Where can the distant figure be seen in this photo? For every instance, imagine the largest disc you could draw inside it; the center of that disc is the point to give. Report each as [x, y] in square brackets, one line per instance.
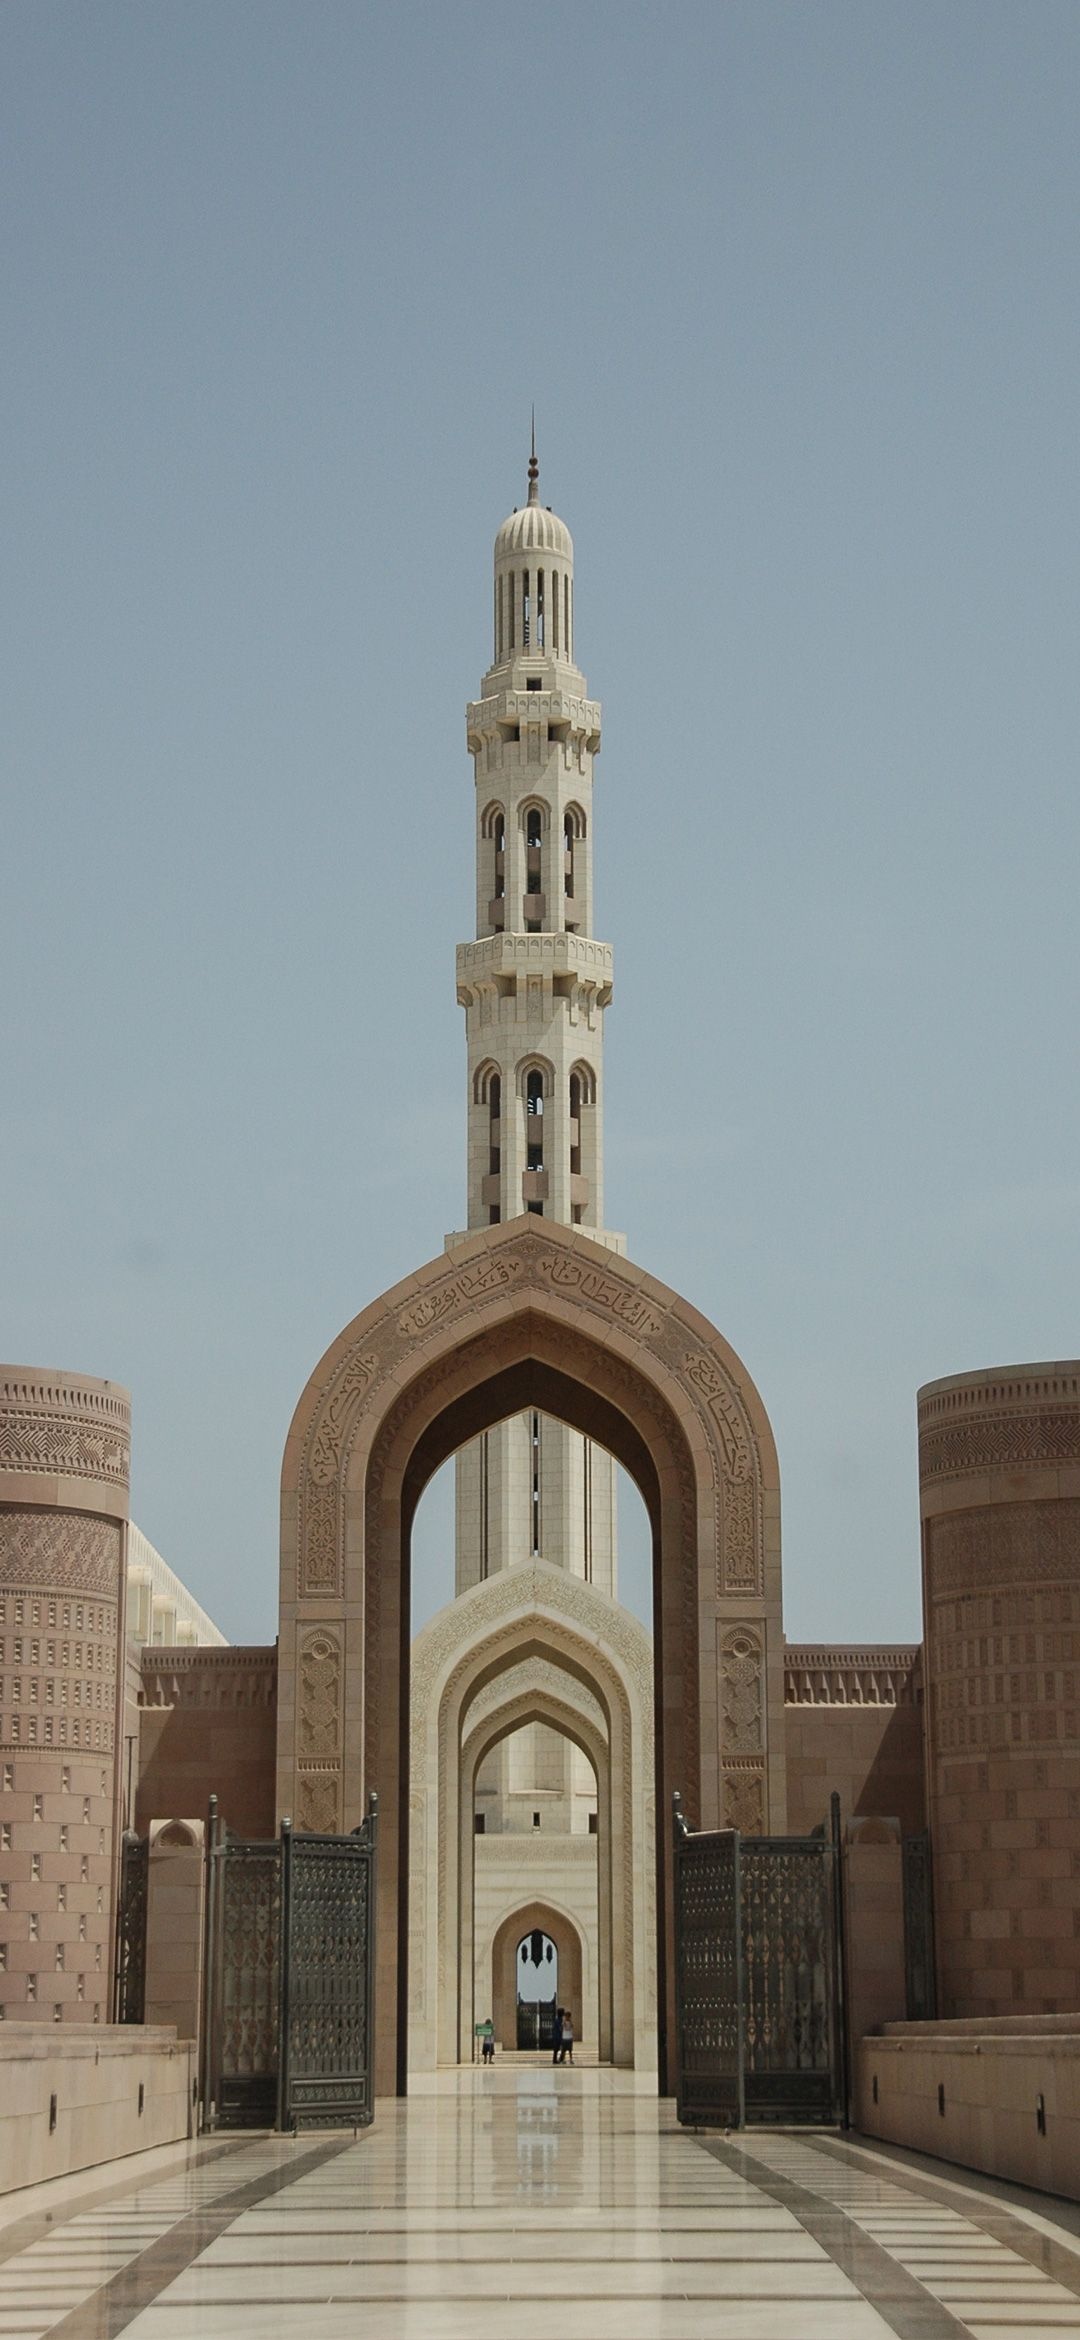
[487, 2045]
[557, 2037]
[566, 2037]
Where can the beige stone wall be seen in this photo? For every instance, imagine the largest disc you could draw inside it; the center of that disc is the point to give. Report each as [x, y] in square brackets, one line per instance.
[999, 1474]
[972, 2093]
[117, 2090]
[854, 1725]
[175, 1910]
[64, 1468]
[208, 1723]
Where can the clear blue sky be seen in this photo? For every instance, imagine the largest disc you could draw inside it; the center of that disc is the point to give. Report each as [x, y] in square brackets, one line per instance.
[794, 289]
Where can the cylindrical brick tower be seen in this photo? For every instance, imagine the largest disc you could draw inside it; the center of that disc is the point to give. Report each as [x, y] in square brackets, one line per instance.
[999, 1481]
[64, 1472]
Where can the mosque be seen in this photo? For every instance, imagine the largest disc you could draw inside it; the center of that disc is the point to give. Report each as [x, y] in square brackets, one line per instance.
[527, 1742]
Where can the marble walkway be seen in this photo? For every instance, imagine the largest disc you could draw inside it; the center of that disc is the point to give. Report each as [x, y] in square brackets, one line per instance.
[530, 2204]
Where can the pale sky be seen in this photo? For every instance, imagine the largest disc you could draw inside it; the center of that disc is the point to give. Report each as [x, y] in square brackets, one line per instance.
[795, 291]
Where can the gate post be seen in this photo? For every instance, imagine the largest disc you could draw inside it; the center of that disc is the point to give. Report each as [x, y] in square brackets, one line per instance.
[210, 1942]
[371, 1825]
[842, 2061]
[710, 2031]
[284, 1973]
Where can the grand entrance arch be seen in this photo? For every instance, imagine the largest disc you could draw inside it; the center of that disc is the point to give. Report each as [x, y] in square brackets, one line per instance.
[526, 1314]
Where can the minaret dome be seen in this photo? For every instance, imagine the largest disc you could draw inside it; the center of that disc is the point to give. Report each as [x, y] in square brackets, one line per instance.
[534, 583]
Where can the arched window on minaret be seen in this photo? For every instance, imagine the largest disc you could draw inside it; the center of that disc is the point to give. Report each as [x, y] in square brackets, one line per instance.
[535, 1079]
[510, 607]
[582, 1102]
[534, 1121]
[526, 610]
[540, 609]
[573, 868]
[485, 1137]
[494, 1140]
[492, 888]
[568, 646]
[533, 909]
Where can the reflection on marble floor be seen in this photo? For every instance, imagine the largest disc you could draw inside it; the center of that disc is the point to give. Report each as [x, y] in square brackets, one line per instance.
[532, 2204]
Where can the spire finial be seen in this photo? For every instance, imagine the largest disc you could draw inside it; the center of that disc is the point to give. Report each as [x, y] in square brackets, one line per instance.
[534, 467]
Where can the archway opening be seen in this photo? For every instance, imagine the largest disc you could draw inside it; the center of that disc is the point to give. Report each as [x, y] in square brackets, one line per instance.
[524, 1316]
[536, 1794]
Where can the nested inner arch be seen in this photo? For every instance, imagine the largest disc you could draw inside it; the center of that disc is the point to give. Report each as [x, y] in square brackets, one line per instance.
[655, 1454]
[591, 1734]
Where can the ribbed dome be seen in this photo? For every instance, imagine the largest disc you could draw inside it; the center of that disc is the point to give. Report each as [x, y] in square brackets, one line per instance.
[534, 529]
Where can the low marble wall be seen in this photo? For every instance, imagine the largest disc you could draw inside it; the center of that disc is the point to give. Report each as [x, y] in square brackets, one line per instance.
[1001, 2095]
[118, 2089]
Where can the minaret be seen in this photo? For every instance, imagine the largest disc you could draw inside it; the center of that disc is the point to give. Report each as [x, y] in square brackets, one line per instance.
[534, 986]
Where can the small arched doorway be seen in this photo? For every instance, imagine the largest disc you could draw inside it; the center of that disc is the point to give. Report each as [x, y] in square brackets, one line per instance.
[570, 1978]
[536, 1990]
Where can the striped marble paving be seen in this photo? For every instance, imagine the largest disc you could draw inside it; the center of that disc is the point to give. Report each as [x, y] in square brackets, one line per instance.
[534, 2204]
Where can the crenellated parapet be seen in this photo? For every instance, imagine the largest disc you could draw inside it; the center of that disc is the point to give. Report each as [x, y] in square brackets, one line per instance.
[819, 1675]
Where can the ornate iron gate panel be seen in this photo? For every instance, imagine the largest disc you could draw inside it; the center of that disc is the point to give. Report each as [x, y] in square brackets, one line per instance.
[131, 1929]
[327, 1975]
[759, 1978]
[245, 1983]
[287, 2018]
[708, 1977]
[789, 1980]
[920, 1978]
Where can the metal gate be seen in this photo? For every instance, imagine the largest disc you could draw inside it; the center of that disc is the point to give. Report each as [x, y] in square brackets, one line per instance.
[130, 1992]
[759, 1977]
[287, 2021]
[328, 1972]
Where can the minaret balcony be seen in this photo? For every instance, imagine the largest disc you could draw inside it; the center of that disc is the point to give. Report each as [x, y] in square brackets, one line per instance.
[534, 1186]
[506, 711]
[496, 962]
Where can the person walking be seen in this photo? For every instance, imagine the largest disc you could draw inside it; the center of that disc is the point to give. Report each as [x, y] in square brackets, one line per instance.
[487, 2046]
[556, 2037]
[566, 2043]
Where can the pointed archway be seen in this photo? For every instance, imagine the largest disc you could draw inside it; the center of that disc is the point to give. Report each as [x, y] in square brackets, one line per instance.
[526, 1314]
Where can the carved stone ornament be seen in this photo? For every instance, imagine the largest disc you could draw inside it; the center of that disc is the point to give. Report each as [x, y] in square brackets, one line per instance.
[318, 1803]
[1024, 1440]
[320, 1694]
[65, 1551]
[65, 1427]
[744, 1802]
[742, 1692]
[1005, 1543]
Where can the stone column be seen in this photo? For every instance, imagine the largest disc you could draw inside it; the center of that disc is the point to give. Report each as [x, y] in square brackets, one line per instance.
[64, 1471]
[999, 1478]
